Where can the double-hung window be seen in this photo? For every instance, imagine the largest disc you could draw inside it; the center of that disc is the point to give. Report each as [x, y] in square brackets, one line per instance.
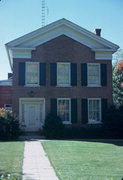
[94, 110]
[32, 73]
[64, 110]
[63, 74]
[93, 74]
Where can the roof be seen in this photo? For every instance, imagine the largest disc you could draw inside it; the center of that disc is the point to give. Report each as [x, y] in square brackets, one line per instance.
[22, 46]
[7, 82]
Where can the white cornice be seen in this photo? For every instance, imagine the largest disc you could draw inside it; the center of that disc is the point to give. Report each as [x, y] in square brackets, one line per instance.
[105, 50]
[22, 48]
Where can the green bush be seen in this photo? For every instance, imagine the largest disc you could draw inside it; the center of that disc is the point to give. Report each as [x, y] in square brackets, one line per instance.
[53, 127]
[113, 122]
[84, 132]
[9, 125]
[114, 117]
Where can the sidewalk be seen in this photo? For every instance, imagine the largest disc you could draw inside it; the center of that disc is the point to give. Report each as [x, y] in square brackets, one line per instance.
[36, 165]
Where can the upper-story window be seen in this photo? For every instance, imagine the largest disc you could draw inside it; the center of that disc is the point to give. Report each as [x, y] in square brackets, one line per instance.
[32, 73]
[93, 74]
[63, 74]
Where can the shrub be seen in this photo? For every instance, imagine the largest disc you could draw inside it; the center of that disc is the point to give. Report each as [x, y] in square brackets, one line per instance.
[113, 122]
[9, 125]
[114, 117]
[87, 132]
[53, 127]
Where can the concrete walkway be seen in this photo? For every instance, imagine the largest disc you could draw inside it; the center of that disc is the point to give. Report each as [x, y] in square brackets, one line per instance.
[36, 165]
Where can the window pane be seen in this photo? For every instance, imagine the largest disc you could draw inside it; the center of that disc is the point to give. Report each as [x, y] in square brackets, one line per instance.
[94, 110]
[63, 74]
[32, 71]
[63, 110]
[93, 74]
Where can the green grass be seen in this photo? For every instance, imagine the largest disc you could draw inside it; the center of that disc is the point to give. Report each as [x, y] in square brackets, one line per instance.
[79, 160]
[11, 158]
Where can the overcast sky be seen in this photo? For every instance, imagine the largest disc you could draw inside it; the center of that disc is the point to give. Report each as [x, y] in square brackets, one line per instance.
[19, 17]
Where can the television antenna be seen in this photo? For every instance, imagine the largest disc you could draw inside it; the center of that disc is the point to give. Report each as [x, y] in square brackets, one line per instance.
[45, 13]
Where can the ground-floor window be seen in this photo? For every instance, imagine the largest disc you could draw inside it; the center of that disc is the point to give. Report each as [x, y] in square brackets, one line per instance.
[64, 109]
[94, 110]
[8, 107]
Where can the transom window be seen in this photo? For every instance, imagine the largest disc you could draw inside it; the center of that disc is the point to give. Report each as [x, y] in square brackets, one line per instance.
[32, 73]
[94, 110]
[63, 109]
[63, 74]
[93, 74]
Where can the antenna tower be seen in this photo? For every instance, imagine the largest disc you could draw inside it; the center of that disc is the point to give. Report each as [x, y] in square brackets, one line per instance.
[43, 13]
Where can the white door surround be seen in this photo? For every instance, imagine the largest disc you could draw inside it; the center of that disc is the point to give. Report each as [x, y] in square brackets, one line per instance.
[31, 113]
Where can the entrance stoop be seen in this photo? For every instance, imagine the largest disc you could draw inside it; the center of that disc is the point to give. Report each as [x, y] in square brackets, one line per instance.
[30, 136]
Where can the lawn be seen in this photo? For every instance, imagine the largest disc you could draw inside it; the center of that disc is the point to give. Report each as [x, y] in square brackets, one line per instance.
[79, 160]
[11, 157]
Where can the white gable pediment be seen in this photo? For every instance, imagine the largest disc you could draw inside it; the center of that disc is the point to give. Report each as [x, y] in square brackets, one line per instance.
[62, 30]
[28, 42]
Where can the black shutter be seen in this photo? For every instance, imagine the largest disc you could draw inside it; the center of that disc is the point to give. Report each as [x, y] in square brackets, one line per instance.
[21, 75]
[103, 74]
[84, 110]
[84, 74]
[73, 74]
[74, 110]
[53, 74]
[53, 106]
[104, 106]
[42, 79]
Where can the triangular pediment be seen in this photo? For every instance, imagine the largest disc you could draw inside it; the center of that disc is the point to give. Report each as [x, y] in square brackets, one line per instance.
[30, 41]
[61, 27]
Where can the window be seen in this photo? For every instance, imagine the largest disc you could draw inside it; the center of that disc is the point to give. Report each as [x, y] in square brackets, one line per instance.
[63, 74]
[8, 107]
[94, 110]
[93, 74]
[63, 109]
[32, 73]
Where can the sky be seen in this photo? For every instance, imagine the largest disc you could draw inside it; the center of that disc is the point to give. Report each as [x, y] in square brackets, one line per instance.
[19, 17]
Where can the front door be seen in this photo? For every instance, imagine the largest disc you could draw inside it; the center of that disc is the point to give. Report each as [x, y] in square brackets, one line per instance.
[32, 115]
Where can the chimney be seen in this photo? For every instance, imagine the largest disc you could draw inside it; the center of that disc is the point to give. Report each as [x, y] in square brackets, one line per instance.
[10, 75]
[97, 32]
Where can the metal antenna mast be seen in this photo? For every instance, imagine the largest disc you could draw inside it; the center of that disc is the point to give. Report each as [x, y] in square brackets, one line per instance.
[43, 13]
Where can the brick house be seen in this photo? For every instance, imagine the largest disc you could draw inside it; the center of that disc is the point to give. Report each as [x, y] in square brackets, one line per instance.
[6, 94]
[61, 68]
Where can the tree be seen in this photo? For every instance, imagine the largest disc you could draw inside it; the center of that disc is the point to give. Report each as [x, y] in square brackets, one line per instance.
[117, 87]
[117, 79]
[117, 56]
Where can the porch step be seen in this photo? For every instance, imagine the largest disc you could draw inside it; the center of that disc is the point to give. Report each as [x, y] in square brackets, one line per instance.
[29, 136]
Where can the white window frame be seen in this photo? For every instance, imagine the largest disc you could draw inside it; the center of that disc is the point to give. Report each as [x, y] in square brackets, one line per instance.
[100, 111]
[10, 108]
[65, 122]
[31, 85]
[93, 85]
[64, 85]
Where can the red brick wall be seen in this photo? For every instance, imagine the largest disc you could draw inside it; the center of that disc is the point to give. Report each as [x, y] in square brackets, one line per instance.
[62, 49]
[5, 95]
